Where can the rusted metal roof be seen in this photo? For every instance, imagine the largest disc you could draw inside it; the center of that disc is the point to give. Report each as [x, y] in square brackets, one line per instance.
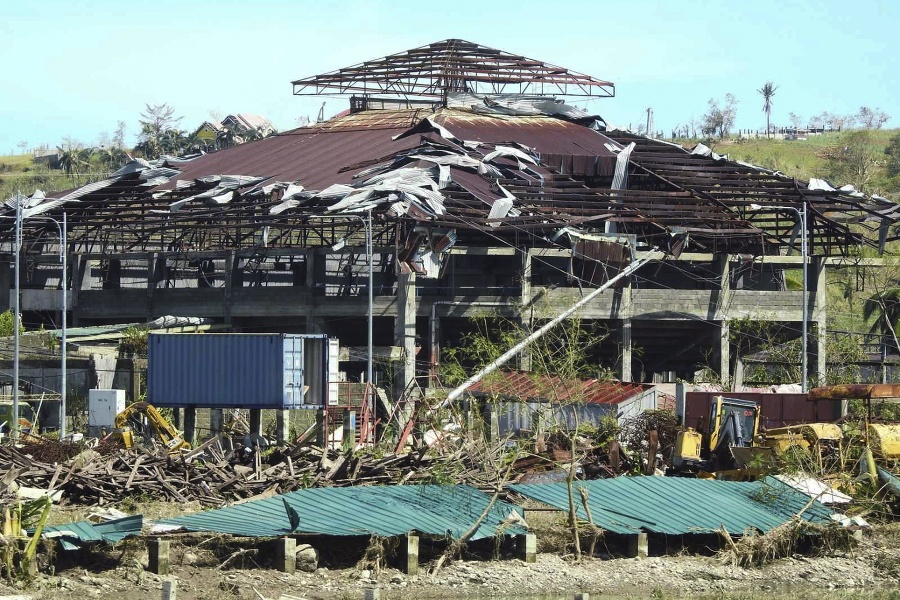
[529, 386]
[449, 66]
[563, 146]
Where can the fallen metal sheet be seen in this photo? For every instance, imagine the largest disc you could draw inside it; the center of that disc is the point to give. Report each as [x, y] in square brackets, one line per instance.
[815, 488]
[72, 536]
[677, 506]
[354, 511]
[889, 481]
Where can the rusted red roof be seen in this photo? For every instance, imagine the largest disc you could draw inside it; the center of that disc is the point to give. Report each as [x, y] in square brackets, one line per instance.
[528, 386]
[316, 156]
[570, 147]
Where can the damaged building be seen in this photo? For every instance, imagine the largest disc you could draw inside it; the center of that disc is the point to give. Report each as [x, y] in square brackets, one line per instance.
[459, 180]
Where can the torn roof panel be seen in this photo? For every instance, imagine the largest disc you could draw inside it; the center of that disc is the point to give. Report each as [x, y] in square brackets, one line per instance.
[72, 536]
[679, 505]
[529, 386]
[355, 511]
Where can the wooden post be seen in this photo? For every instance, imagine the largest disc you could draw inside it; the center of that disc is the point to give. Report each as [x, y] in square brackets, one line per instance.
[411, 562]
[169, 589]
[158, 552]
[286, 555]
[526, 547]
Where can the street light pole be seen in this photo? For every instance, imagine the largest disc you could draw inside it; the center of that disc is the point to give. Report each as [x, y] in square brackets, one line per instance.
[804, 249]
[62, 229]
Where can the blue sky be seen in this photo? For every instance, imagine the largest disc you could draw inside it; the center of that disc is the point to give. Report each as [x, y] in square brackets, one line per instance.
[74, 68]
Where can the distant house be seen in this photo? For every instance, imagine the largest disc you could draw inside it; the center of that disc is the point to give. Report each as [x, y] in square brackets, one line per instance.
[209, 131]
[239, 125]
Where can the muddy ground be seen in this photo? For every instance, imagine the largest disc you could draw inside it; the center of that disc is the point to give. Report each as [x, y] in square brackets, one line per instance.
[871, 570]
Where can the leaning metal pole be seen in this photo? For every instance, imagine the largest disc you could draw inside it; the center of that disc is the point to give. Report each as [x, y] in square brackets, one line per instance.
[634, 266]
[63, 251]
[804, 251]
[14, 426]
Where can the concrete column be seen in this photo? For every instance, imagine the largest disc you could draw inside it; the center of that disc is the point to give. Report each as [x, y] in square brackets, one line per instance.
[405, 331]
[177, 418]
[638, 546]
[818, 315]
[538, 423]
[158, 556]
[491, 423]
[216, 418]
[321, 424]
[81, 280]
[232, 264]
[626, 374]
[525, 355]
[151, 282]
[190, 424]
[255, 421]
[725, 354]
[286, 555]
[349, 427]
[6, 286]
[410, 564]
[282, 426]
[526, 547]
[169, 589]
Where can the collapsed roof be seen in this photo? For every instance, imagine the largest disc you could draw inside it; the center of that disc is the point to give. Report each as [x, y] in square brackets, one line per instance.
[482, 168]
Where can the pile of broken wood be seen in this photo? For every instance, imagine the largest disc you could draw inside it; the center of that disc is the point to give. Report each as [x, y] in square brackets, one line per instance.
[214, 474]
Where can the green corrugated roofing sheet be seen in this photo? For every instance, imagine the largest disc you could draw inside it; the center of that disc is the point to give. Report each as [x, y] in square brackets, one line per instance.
[370, 510]
[676, 505]
[73, 536]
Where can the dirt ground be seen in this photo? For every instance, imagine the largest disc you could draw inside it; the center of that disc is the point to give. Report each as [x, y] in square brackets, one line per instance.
[871, 570]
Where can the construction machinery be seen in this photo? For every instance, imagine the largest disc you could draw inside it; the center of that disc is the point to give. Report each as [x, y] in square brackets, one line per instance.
[27, 418]
[142, 420]
[711, 448]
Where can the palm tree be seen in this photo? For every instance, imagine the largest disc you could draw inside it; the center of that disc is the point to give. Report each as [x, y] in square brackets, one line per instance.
[885, 307]
[767, 91]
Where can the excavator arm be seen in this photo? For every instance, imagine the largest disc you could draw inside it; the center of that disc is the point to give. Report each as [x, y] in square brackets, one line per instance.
[132, 420]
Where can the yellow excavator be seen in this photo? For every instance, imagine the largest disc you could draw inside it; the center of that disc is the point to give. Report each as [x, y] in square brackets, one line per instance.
[713, 447]
[142, 419]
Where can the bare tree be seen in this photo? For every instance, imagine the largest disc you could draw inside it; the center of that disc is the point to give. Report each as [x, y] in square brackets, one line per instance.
[854, 160]
[796, 120]
[872, 118]
[767, 91]
[156, 118]
[118, 138]
[719, 120]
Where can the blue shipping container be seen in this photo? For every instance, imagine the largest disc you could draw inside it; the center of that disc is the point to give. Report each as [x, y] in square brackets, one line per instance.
[238, 370]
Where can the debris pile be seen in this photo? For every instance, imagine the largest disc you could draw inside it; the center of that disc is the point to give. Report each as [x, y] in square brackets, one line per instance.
[215, 475]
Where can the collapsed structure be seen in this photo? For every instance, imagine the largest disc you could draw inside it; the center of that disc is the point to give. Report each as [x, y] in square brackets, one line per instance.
[480, 189]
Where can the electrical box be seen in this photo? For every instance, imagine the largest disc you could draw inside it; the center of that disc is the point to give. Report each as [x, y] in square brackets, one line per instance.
[103, 406]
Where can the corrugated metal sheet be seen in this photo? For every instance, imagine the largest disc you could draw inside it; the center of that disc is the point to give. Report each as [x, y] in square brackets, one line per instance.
[676, 506]
[354, 511]
[73, 536]
[776, 410]
[316, 156]
[529, 386]
[567, 147]
[236, 370]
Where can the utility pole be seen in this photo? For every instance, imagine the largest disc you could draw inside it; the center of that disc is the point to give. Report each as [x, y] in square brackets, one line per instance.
[649, 122]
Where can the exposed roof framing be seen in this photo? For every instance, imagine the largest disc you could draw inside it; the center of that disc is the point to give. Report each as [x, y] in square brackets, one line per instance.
[441, 68]
[836, 220]
[492, 179]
